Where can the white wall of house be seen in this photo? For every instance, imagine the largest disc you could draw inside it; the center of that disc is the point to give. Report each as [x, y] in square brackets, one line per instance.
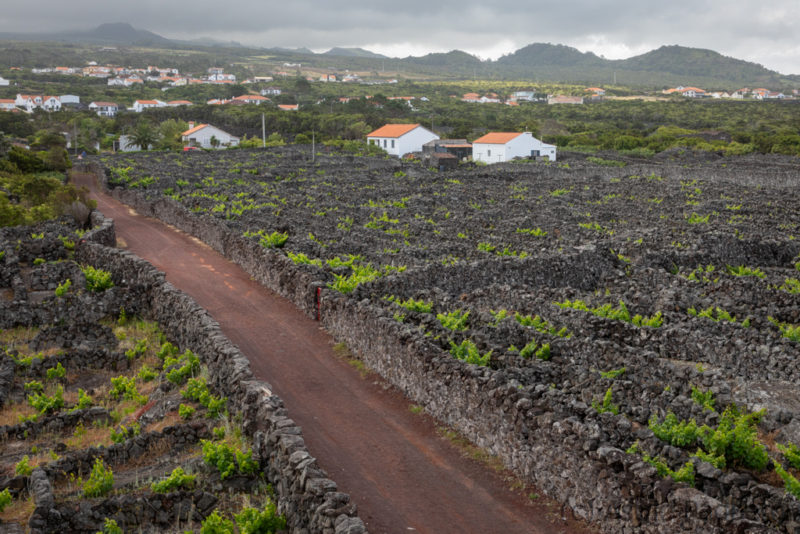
[103, 110]
[202, 138]
[409, 142]
[70, 99]
[51, 103]
[3, 81]
[522, 146]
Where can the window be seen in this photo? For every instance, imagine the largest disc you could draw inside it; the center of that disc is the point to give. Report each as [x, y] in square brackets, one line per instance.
[384, 143]
[392, 143]
[489, 153]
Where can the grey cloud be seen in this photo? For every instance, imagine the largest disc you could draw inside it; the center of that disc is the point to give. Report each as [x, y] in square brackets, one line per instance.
[757, 31]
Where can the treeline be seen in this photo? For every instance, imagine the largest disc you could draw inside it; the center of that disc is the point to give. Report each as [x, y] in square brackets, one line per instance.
[32, 183]
[644, 127]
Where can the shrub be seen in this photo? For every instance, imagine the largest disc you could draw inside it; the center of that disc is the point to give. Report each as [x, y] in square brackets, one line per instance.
[118, 436]
[47, 404]
[56, 372]
[302, 259]
[23, 467]
[176, 480]
[455, 320]
[185, 411]
[62, 288]
[138, 350]
[542, 325]
[790, 483]
[468, 352]
[216, 524]
[84, 400]
[227, 459]
[125, 388]
[5, 499]
[613, 373]
[274, 240]
[743, 270]
[607, 405]
[167, 349]
[101, 480]
[620, 314]
[703, 398]
[792, 454]
[266, 521]
[184, 366]
[674, 432]
[110, 527]
[34, 386]
[146, 373]
[97, 280]
[419, 306]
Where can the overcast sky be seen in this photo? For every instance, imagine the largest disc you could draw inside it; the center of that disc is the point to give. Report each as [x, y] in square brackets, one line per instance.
[763, 32]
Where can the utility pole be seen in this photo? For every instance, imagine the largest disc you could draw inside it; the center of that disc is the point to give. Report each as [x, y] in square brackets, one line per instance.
[313, 146]
[263, 132]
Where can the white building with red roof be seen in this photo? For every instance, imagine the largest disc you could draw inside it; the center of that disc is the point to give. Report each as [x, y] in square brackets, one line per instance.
[141, 105]
[249, 99]
[499, 147]
[7, 104]
[401, 139]
[207, 136]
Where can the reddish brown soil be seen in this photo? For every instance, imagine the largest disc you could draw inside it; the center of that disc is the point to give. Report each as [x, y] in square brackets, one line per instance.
[402, 474]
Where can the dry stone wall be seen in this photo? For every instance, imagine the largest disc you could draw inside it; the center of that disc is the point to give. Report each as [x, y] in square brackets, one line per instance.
[303, 491]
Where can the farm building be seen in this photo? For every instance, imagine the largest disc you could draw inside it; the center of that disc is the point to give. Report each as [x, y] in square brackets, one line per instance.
[498, 147]
[207, 136]
[401, 139]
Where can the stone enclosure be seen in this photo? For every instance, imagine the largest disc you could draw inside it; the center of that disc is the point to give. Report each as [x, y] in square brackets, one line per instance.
[595, 299]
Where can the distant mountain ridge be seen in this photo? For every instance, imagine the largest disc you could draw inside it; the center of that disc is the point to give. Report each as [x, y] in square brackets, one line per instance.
[667, 65]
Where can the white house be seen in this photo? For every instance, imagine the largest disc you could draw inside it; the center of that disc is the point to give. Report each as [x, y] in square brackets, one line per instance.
[104, 109]
[270, 91]
[498, 147]
[70, 99]
[51, 103]
[207, 136]
[141, 105]
[7, 104]
[3, 81]
[401, 139]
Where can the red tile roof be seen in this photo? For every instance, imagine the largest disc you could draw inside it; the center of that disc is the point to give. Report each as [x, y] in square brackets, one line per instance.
[393, 130]
[195, 129]
[497, 138]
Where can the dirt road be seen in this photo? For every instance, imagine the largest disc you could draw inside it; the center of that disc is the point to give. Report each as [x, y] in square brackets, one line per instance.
[402, 474]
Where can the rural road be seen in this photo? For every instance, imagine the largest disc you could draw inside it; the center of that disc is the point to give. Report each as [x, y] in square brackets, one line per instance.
[401, 473]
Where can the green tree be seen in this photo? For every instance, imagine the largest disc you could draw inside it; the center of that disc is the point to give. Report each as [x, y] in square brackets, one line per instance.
[145, 135]
[170, 134]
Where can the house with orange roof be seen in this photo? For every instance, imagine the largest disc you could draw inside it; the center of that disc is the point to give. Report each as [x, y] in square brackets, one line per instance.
[599, 91]
[250, 99]
[208, 136]
[176, 103]
[141, 105]
[289, 107]
[401, 139]
[499, 147]
[31, 102]
[7, 104]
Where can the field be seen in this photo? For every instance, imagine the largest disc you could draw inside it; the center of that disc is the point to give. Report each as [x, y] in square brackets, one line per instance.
[655, 299]
[103, 422]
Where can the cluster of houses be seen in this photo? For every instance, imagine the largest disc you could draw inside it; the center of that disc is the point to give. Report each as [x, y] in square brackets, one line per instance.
[414, 140]
[741, 94]
[530, 96]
